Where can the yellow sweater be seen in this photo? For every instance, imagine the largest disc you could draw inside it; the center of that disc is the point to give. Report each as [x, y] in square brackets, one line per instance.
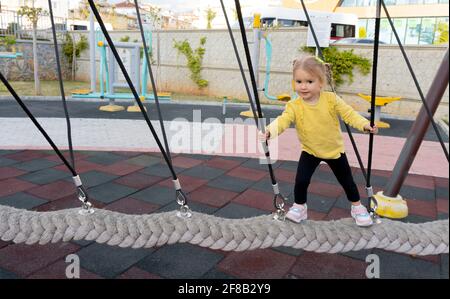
[318, 125]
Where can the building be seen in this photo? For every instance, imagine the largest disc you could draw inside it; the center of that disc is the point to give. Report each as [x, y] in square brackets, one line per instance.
[416, 21]
[60, 7]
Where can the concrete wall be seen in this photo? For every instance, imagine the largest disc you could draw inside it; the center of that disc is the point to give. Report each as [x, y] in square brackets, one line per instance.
[221, 69]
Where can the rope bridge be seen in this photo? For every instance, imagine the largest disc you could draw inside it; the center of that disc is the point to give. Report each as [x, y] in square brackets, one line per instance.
[146, 231]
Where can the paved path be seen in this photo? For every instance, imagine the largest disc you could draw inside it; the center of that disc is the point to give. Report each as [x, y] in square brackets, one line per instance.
[211, 138]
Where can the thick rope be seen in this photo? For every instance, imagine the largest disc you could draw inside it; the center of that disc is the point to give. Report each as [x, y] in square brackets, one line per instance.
[138, 231]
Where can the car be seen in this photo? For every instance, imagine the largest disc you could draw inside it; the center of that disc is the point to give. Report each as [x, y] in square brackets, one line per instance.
[352, 40]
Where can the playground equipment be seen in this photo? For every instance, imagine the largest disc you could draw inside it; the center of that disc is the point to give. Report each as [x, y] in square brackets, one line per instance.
[282, 97]
[258, 35]
[379, 102]
[110, 77]
[112, 228]
[10, 55]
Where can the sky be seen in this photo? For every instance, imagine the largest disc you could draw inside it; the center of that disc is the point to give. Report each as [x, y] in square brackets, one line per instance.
[188, 5]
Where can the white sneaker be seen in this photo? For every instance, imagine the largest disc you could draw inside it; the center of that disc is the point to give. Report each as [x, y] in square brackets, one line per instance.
[361, 216]
[297, 213]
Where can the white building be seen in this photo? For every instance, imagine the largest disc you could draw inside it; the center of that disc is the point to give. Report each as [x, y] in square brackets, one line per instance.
[60, 7]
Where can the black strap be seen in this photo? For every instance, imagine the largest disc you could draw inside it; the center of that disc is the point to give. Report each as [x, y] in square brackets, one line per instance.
[241, 68]
[130, 84]
[376, 46]
[152, 80]
[61, 86]
[36, 123]
[253, 79]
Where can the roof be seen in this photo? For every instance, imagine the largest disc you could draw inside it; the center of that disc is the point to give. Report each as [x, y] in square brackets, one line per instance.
[125, 4]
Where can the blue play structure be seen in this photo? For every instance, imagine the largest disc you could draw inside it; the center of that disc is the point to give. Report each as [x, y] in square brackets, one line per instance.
[109, 72]
[10, 55]
[282, 97]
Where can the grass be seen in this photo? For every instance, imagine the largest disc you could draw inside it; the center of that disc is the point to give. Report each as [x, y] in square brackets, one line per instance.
[51, 88]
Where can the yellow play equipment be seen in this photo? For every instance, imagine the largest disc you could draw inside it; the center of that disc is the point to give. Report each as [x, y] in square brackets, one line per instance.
[391, 207]
[379, 102]
[111, 107]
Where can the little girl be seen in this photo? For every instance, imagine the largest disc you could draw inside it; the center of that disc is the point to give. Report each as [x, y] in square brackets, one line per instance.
[315, 114]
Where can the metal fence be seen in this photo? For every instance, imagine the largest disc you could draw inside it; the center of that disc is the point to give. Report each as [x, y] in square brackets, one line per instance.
[11, 23]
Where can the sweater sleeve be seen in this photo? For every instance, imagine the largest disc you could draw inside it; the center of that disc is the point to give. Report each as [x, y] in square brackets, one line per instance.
[282, 122]
[349, 115]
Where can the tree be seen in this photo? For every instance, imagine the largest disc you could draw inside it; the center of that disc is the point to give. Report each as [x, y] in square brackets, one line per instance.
[33, 14]
[155, 17]
[210, 15]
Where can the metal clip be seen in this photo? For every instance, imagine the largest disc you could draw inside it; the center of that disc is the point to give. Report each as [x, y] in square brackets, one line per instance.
[373, 211]
[185, 211]
[369, 191]
[86, 206]
[280, 213]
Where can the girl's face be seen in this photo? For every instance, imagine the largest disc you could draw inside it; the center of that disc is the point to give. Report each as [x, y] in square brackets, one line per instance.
[307, 85]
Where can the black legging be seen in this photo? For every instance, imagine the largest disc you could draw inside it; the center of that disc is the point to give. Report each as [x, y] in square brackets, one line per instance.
[341, 169]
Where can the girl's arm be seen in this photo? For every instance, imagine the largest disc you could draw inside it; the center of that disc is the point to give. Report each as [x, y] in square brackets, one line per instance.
[282, 122]
[350, 116]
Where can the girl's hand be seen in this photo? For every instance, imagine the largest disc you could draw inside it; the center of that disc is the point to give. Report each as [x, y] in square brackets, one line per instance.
[369, 129]
[263, 137]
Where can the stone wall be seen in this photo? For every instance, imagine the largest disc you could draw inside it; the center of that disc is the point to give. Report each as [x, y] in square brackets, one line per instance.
[21, 69]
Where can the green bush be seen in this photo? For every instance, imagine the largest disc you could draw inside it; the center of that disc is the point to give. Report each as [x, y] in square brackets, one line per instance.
[343, 63]
[194, 58]
[67, 47]
[8, 43]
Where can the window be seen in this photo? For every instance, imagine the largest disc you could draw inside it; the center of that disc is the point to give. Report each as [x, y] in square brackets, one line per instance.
[400, 27]
[362, 28]
[427, 31]
[267, 21]
[364, 3]
[385, 31]
[289, 23]
[371, 28]
[341, 31]
[413, 31]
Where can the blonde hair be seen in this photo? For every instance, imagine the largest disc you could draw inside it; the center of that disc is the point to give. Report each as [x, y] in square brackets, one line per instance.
[315, 66]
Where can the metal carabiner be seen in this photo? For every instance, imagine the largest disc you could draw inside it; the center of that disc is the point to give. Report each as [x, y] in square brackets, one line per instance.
[185, 211]
[373, 211]
[280, 213]
[86, 206]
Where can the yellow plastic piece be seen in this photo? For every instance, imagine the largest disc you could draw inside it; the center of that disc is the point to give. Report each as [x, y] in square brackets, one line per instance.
[142, 98]
[135, 108]
[379, 101]
[257, 20]
[248, 113]
[111, 108]
[284, 97]
[382, 125]
[391, 207]
[81, 91]
[100, 44]
[164, 94]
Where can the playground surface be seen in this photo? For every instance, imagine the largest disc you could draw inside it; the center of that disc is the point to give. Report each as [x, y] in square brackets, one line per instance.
[124, 171]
